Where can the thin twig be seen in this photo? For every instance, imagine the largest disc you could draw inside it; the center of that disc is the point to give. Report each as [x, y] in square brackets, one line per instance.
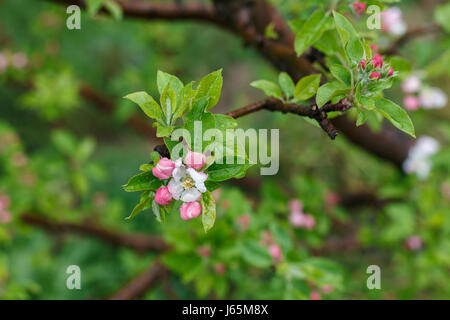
[138, 242]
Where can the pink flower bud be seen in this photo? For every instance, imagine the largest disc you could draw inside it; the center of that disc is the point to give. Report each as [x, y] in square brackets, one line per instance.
[244, 221]
[190, 210]
[315, 296]
[204, 251]
[391, 72]
[164, 168]
[195, 160]
[5, 202]
[19, 159]
[375, 75]
[163, 196]
[5, 217]
[411, 102]
[332, 199]
[275, 252]
[327, 289]
[19, 60]
[377, 61]
[362, 64]
[309, 222]
[414, 243]
[220, 269]
[374, 48]
[295, 205]
[359, 7]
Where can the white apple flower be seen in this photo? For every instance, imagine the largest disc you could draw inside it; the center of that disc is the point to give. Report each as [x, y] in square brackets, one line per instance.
[418, 160]
[431, 98]
[392, 21]
[187, 184]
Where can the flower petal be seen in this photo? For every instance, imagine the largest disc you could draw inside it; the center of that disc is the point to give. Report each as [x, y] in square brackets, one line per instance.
[197, 176]
[190, 195]
[175, 188]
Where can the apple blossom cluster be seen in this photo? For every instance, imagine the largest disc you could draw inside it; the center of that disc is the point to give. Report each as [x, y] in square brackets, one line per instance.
[418, 160]
[185, 182]
[420, 96]
[5, 215]
[17, 60]
[374, 70]
[392, 21]
[298, 218]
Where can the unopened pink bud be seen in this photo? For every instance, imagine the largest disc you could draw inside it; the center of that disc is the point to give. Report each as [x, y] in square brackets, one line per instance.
[163, 196]
[5, 217]
[327, 289]
[315, 296]
[359, 7]
[275, 252]
[374, 48]
[190, 210]
[244, 221]
[5, 202]
[295, 205]
[195, 160]
[310, 221]
[377, 61]
[220, 269]
[204, 251]
[164, 168]
[391, 72]
[411, 102]
[375, 75]
[414, 243]
[362, 64]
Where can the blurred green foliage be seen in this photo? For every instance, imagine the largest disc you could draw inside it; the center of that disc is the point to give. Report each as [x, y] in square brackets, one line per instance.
[65, 160]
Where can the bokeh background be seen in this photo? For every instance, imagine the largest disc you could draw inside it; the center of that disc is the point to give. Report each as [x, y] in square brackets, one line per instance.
[68, 142]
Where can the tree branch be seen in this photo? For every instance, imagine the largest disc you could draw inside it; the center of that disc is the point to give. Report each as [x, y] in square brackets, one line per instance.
[248, 19]
[138, 286]
[154, 11]
[313, 112]
[140, 243]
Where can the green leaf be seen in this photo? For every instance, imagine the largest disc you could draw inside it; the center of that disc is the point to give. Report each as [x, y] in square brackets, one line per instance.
[210, 86]
[270, 88]
[286, 84]
[158, 211]
[208, 210]
[342, 74]
[147, 104]
[65, 142]
[349, 37]
[163, 79]
[144, 204]
[307, 87]
[93, 7]
[222, 172]
[442, 16]
[114, 9]
[168, 104]
[143, 182]
[255, 254]
[224, 122]
[311, 31]
[396, 115]
[362, 118]
[328, 91]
